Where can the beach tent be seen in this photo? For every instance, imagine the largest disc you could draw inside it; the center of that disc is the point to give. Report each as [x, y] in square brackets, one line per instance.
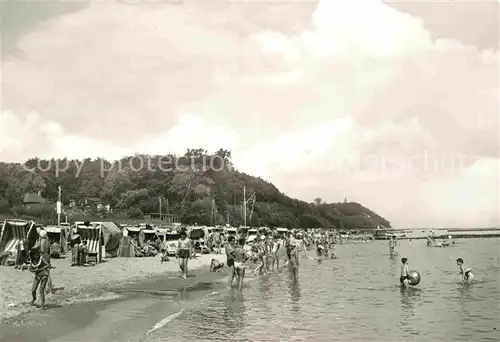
[13, 232]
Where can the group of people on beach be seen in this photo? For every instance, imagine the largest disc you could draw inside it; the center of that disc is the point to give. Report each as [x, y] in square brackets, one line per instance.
[266, 251]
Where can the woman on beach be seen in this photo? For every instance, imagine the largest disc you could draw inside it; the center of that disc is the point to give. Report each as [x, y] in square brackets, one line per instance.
[296, 244]
[262, 255]
[276, 243]
[183, 253]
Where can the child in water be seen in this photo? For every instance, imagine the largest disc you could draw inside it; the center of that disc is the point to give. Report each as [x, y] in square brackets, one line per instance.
[392, 246]
[404, 278]
[464, 272]
[40, 268]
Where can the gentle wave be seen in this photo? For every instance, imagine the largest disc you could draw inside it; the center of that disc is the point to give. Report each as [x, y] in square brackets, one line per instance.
[165, 321]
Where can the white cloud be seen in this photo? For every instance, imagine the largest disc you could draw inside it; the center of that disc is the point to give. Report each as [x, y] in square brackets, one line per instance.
[348, 106]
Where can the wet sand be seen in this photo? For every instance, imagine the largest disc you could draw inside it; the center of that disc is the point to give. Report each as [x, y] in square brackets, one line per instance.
[124, 311]
[82, 284]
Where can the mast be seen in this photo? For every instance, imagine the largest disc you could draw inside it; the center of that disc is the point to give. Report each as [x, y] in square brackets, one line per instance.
[212, 213]
[159, 199]
[59, 206]
[244, 206]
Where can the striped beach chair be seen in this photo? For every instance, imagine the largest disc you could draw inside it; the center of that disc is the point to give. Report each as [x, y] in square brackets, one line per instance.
[92, 233]
[12, 233]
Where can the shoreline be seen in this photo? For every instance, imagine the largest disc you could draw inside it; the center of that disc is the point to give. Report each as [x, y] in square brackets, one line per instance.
[162, 296]
[85, 284]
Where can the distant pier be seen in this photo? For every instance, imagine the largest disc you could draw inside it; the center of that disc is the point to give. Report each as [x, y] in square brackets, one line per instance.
[423, 233]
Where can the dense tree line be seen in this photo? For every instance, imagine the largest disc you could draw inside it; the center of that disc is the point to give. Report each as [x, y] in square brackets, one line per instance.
[197, 187]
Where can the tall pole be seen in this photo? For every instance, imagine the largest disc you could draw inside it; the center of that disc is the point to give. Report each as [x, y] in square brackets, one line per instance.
[59, 206]
[159, 199]
[212, 213]
[244, 206]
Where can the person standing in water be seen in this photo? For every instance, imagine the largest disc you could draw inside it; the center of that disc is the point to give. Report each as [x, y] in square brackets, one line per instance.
[404, 277]
[464, 272]
[183, 253]
[296, 245]
[275, 251]
[261, 245]
[392, 246]
[240, 258]
[230, 258]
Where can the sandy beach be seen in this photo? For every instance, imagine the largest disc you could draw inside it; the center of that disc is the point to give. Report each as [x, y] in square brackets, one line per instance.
[82, 283]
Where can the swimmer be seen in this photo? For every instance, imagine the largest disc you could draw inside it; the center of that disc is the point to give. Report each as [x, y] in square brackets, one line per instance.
[466, 273]
[320, 249]
[288, 248]
[392, 246]
[240, 258]
[230, 258]
[275, 251]
[261, 251]
[296, 244]
[183, 253]
[404, 278]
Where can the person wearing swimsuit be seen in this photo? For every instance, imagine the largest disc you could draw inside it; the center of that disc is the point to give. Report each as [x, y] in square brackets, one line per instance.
[183, 253]
[275, 250]
[404, 278]
[464, 272]
[296, 244]
[288, 248]
[262, 255]
[40, 267]
[240, 258]
[230, 258]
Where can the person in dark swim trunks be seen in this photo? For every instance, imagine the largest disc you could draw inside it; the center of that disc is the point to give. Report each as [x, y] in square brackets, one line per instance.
[404, 278]
[183, 253]
[230, 258]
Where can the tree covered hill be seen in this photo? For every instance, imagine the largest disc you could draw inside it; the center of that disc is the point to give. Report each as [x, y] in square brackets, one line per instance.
[197, 187]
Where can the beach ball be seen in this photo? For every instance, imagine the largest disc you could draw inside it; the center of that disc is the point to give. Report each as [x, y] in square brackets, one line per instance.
[413, 278]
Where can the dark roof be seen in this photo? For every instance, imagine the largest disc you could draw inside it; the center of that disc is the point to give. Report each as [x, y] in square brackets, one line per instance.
[33, 198]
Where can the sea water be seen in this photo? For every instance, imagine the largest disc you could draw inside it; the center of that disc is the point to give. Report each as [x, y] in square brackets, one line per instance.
[355, 297]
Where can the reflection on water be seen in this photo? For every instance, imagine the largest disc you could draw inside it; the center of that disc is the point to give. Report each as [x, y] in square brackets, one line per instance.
[356, 296]
[233, 312]
[294, 287]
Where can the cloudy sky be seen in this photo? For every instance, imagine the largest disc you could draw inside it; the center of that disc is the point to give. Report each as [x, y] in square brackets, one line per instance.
[393, 105]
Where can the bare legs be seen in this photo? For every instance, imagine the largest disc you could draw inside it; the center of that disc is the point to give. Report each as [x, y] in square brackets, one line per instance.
[183, 265]
[42, 282]
[240, 274]
[276, 261]
[231, 276]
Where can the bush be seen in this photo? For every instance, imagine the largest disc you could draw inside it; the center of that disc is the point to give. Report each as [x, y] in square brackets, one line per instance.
[135, 212]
